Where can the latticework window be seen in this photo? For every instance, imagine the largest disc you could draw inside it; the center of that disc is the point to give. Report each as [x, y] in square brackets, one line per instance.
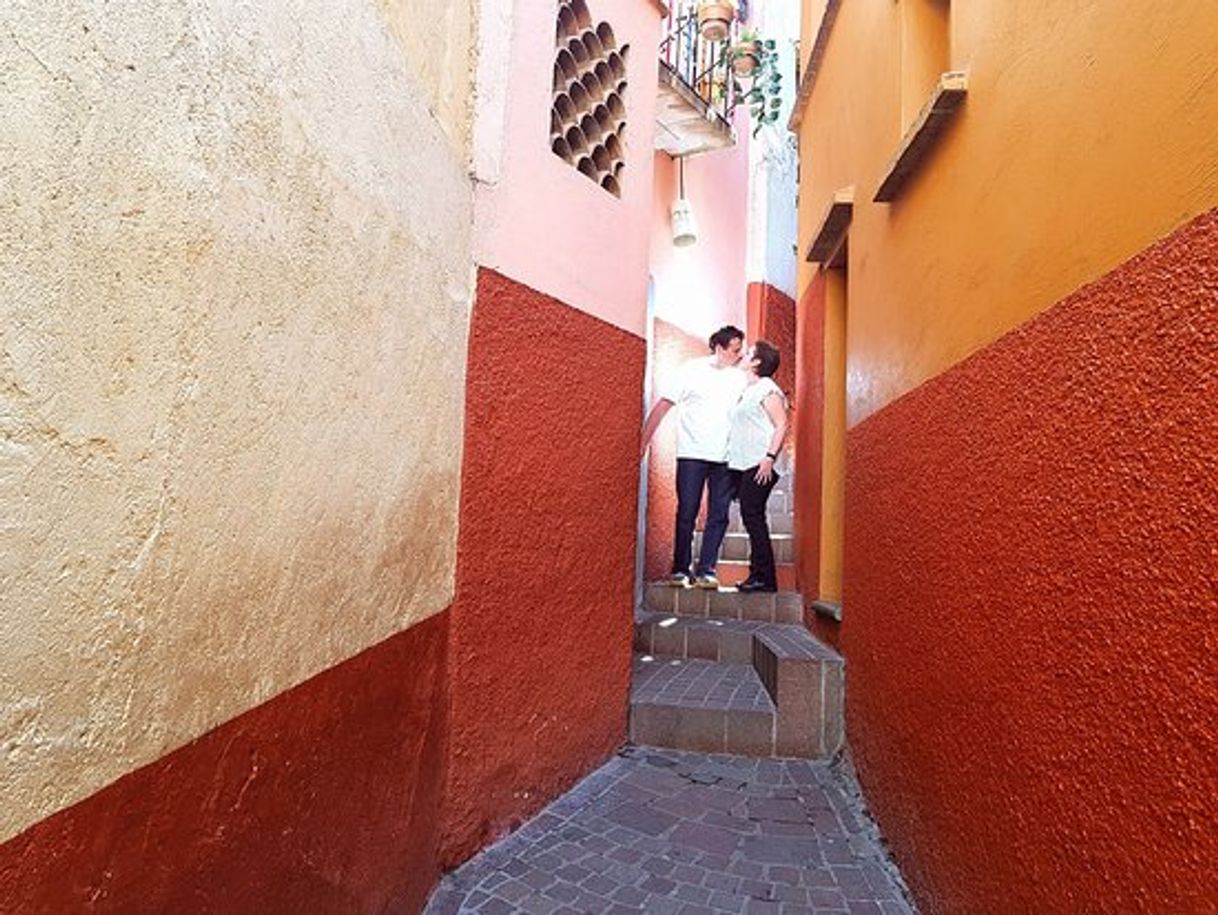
[588, 114]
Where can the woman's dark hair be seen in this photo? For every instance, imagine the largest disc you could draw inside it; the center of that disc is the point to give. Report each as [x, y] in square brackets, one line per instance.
[723, 337]
[766, 354]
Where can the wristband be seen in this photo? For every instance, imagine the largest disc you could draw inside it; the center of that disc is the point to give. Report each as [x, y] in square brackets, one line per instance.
[771, 456]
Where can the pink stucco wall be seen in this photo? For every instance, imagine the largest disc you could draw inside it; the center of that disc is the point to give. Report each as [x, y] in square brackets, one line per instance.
[703, 287]
[540, 221]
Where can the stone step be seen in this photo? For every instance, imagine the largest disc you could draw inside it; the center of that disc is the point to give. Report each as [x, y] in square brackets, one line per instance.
[783, 606]
[732, 572]
[736, 546]
[704, 706]
[806, 681]
[803, 677]
[788, 702]
[779, 522]
[669, 636]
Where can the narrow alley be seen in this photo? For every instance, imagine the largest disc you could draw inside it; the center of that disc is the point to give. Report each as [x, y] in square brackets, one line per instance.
[551, 456]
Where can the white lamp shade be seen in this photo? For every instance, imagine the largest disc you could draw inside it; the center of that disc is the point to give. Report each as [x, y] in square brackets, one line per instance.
[684, 227]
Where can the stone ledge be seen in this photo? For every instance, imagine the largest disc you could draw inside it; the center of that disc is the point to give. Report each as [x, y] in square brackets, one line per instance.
[920, 139]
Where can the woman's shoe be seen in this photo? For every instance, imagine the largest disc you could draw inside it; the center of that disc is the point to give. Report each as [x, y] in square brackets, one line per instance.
[750, 586]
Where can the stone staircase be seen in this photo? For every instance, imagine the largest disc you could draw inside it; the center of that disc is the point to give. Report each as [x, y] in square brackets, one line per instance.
[726, 672]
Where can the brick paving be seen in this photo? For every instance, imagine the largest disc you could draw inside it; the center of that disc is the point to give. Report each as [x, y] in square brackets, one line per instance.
[698, 684]
[673, 833]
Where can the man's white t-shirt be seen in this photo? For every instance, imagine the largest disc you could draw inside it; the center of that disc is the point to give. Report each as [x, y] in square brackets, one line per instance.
[705, 395]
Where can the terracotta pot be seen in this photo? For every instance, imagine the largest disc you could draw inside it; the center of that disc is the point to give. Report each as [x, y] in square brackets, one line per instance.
[715, 20]
[746, 57]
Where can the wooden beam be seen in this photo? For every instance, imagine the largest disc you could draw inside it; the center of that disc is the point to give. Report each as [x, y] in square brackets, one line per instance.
[921, 138]
[832, 231]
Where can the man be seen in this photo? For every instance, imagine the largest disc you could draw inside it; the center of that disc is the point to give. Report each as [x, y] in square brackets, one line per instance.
[704, 392]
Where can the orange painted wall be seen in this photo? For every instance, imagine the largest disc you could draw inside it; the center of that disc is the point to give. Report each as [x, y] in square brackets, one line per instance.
[1087, 135]
[541, 625]
[1032, 600]
[809, 432]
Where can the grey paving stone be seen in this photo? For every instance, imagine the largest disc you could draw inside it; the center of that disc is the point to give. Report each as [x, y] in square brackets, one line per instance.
[642, 818]
[707, 838]
[681, 833]
[727, 902]
[630, 895]
[691, 893]
[660, 886]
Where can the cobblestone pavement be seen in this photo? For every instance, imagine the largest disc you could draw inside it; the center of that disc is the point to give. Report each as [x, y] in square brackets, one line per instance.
[672, 833]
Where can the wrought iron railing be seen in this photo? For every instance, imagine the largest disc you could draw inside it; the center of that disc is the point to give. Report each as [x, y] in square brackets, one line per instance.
[703, 66]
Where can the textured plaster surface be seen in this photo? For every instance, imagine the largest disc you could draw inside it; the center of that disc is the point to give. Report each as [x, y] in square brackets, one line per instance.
[773, 230]
[672, 347]
[323, 800]
[772, 318]
[1031, 605]
[1034, 191]
[701, 287]
[542, 623]
[540, 221]
[809, 444]
[234, 294]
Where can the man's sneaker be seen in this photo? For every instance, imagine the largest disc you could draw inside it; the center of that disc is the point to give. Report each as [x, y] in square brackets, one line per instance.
[707, 580]
[678, 580]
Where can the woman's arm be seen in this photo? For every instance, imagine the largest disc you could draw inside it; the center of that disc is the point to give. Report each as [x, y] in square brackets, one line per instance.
[775, 408]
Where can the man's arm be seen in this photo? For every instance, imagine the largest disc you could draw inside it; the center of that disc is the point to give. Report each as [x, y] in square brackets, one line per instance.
[654, 418]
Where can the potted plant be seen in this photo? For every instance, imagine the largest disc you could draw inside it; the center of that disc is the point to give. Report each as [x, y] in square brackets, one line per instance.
[764, 95]
[746, 53]
[715, 18]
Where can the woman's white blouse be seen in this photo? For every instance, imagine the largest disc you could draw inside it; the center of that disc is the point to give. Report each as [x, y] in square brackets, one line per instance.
[752, 430]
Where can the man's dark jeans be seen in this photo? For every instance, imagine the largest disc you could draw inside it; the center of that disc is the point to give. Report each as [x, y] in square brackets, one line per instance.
[692, 476]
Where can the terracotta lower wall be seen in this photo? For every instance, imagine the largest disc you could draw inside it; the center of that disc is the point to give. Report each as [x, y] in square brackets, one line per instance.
[332, 797]
[541, 626]
[323, 800]
[771, 316]
[672, 347]
[1031, 599]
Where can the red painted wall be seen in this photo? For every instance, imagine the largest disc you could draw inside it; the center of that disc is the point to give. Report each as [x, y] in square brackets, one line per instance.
[771, 316]
[809, 434]
[541, 625]
[672, 347]
[1032, 601]
[322, 800]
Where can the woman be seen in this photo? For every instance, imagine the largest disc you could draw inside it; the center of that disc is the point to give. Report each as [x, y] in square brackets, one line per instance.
[759, 425]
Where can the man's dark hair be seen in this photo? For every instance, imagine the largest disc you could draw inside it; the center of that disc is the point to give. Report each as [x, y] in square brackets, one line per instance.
[723, 337]
[766, 354]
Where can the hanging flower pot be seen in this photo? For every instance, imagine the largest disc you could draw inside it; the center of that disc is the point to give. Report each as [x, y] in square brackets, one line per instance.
[715, 19]
[745, 57]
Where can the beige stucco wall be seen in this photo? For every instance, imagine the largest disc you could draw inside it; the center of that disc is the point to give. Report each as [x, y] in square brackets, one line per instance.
[235, 279]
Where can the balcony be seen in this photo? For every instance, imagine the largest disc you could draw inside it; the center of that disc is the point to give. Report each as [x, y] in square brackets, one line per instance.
[695, 89]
